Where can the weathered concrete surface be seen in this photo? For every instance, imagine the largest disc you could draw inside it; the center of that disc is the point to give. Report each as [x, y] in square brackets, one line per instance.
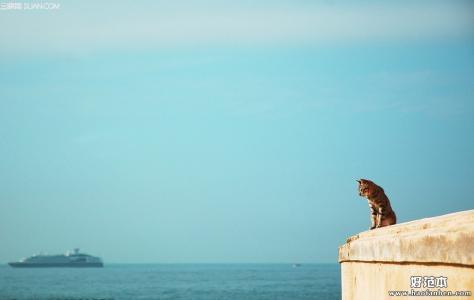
[366, 281]
[377, 261]
[445, 239]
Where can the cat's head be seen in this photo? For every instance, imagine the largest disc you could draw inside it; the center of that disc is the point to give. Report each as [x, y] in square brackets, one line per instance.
[366, 187]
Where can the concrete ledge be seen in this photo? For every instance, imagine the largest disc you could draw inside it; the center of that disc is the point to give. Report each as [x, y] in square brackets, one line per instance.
[375, 263]
[367, 281]
[447, 239]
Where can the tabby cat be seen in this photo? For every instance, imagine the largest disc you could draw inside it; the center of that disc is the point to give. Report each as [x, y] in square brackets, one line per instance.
[382, 213]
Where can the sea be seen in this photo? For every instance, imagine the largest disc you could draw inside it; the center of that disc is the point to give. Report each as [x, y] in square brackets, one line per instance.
[173, 281]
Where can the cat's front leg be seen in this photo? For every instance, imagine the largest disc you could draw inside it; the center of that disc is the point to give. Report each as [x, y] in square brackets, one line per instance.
[379, 217]
[373, 217]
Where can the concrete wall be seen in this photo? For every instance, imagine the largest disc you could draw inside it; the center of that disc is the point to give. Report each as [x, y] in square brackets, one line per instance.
[414, 256]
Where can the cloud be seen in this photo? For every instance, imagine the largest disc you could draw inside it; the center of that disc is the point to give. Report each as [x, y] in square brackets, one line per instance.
[106, 25]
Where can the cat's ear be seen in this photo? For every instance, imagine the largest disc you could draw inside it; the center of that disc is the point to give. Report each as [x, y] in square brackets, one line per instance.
[359, 181]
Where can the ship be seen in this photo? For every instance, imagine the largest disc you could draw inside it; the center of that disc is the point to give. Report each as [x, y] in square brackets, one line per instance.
[73, 259]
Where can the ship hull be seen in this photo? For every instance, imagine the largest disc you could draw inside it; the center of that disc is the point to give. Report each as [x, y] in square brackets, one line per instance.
[56, 265]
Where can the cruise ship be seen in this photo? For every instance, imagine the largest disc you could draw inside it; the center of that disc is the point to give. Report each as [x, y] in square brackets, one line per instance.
[74, 259]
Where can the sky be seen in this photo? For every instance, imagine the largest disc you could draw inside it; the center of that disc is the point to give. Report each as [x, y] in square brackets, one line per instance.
[229, 132]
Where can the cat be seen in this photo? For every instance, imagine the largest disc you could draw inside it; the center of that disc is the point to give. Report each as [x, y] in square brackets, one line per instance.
[382, 213]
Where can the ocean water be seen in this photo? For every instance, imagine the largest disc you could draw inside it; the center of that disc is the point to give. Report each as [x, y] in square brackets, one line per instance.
[173, 281]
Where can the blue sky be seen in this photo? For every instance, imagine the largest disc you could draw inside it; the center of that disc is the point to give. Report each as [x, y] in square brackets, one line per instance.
[224, 132]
